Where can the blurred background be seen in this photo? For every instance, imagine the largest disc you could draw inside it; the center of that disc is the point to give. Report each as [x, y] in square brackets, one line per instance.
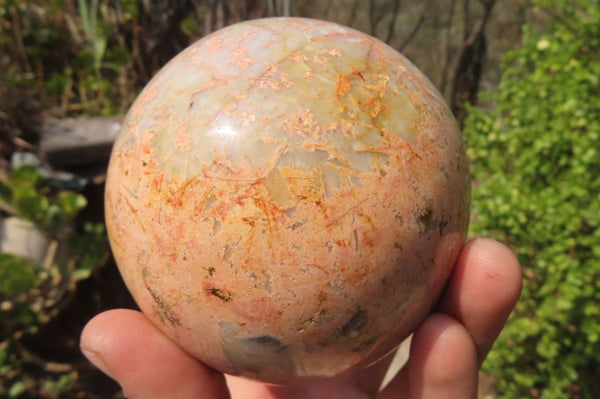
[521, 76]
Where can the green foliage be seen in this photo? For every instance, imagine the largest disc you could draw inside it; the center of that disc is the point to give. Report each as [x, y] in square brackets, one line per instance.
[88, 250]
[67, 53]
[17, 275]
[33, 198]
[536, 161]
[52, 210]
[13, 363]
[95, 32]
[31, 294]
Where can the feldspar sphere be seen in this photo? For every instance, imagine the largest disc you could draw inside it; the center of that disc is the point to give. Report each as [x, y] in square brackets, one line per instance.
[286, 199]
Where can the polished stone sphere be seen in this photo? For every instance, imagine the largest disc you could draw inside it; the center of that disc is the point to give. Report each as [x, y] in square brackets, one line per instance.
[286, 199]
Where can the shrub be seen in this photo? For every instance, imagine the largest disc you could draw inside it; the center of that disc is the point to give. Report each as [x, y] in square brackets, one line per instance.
[32, 294]
[536, 165]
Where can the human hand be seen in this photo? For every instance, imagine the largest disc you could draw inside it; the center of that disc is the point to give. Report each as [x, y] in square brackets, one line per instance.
[445, 355]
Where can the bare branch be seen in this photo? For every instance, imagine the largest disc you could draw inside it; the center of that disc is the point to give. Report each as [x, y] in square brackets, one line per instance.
[271, 8]
[487, 12]
[353, 12]
[18, 38]
[287, 8]
[392, 27]
[447, 50]
[415, 28]
[563, 19]
[466, 65]
[466, 18]
[375, 17]
[217, 17]
[372, 17]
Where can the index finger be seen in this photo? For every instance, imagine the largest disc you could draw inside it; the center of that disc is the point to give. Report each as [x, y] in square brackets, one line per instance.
[483, 291]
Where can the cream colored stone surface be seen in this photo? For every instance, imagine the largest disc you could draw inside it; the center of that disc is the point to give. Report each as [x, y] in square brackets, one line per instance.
[286, 199]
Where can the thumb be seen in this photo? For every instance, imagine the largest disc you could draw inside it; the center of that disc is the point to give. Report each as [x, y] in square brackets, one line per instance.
[125, 345]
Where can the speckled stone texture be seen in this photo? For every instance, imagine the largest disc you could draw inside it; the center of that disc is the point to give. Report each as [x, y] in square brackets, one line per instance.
[286, 199]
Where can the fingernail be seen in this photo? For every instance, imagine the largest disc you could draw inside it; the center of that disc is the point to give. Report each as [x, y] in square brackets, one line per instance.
[95, 360]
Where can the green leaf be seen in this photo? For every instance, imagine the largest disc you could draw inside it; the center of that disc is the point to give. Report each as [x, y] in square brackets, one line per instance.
[6, 193]
[17, 389]
[26, 176]
[17, 275]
